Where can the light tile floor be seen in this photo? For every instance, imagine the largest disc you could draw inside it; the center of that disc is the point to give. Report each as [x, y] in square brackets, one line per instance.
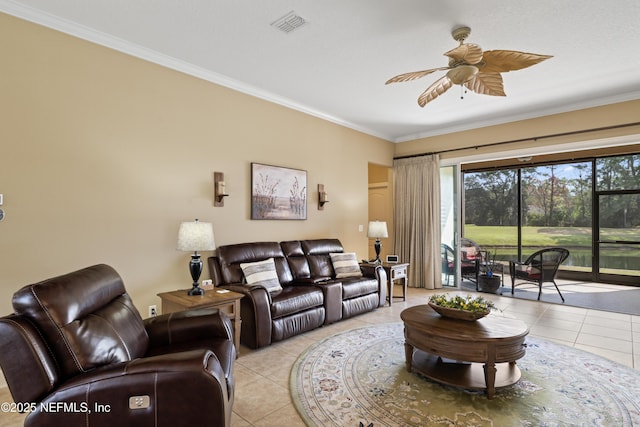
[262, 376]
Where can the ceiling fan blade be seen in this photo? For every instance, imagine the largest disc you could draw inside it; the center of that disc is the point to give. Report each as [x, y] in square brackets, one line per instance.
[502, 61]
[469, 53]
[486, 84]
[413, 75]
[439, 87]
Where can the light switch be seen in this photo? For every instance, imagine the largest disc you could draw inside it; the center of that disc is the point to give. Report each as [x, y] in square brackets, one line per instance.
[360, 228]
[1, 199]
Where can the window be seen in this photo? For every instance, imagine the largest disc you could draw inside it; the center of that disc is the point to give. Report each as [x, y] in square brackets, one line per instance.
[490, 211]
[556, 211]
[591, 207]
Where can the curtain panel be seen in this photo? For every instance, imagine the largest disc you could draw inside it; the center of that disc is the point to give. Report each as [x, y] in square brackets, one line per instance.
[417, 218]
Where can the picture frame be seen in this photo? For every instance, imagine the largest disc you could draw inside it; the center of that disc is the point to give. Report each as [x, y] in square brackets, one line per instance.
[278, 193]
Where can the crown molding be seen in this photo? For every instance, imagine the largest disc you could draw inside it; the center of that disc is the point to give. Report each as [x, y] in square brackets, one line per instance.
[74, 29]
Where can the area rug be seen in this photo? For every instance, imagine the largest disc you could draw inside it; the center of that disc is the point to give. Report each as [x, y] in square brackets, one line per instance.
[359, 377]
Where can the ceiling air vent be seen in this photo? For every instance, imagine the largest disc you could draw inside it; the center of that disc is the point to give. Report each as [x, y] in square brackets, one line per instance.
[289, 22]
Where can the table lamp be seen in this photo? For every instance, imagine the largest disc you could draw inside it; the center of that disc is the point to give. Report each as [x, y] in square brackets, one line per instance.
[377, 230]
[196, 236]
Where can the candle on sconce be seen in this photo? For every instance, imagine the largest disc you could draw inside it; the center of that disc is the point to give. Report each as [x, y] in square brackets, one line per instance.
[222, 188]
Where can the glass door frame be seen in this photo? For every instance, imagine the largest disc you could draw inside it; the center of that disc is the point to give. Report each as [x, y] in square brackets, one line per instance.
[598, 241]
[454, 222]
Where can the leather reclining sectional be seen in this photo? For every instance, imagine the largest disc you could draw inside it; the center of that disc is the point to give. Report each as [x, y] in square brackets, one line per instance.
[311, 294]
[77, 353]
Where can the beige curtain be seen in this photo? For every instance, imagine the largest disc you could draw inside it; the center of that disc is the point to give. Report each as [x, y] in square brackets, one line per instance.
[417, 218]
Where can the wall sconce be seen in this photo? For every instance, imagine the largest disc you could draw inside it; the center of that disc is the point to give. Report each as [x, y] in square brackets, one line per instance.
[219, 189]
[322, 197]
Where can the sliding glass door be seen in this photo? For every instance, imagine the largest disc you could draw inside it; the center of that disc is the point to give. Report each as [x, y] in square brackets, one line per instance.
[556, 211]
[490, 212]
[618, 213]
[590, 207]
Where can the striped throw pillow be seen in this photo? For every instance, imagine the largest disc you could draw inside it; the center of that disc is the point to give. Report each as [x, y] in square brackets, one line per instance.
[345, 265]
[262, 273]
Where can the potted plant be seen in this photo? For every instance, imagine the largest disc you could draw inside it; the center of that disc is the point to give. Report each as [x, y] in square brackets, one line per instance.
[487, 281]
[461, 307]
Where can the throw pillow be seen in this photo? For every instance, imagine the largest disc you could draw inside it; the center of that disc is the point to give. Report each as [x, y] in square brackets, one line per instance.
[262, 273]
[345, 265]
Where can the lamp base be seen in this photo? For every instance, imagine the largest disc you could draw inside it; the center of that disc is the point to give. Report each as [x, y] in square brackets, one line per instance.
[195, 290]
[377, 247]
[195, 267]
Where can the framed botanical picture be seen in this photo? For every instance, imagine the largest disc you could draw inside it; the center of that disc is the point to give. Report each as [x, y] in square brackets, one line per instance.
[278, 193]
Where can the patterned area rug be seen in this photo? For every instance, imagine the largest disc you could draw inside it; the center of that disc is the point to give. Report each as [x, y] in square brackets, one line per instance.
[359, 377]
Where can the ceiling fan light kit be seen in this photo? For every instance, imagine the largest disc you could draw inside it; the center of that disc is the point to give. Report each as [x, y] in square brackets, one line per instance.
[472, 68]
[462, 74]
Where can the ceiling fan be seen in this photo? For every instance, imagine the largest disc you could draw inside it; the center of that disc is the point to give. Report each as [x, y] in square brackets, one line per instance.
[469, 66]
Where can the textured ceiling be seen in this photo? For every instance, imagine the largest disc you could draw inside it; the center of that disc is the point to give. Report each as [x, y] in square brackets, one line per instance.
[335, 66]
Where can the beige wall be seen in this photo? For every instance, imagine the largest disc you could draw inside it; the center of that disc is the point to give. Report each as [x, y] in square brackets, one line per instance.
[577, 122]
[103, 155]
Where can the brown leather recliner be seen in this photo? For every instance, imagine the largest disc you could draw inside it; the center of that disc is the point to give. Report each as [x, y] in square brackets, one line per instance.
[76, 352]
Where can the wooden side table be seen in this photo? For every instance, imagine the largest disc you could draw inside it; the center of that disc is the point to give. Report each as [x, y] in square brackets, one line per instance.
[394, 272]
[227, 302]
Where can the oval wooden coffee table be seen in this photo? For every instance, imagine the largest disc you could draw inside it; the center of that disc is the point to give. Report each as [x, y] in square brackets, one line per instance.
[477, 354]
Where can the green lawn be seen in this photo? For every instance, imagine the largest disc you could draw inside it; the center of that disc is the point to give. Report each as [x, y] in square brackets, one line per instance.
[502, 242]
[570, 237]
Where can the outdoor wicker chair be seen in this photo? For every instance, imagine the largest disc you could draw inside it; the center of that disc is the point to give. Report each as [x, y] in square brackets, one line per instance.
[542, 266]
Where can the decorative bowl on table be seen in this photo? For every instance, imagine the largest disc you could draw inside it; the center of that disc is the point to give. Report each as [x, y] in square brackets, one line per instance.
[458, 307]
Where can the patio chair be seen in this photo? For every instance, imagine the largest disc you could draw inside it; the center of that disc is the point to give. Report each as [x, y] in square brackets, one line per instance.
[542, 266]
[448, 261]
[468, 265]
[470, 253]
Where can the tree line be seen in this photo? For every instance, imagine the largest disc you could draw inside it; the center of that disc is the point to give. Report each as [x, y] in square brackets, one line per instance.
[557, 195]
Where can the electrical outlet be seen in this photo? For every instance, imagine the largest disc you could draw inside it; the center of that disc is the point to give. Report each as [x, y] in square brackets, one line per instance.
[153, 311]
[207, 282]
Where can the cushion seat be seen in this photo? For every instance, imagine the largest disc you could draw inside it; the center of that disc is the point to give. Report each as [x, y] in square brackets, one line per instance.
[293, 299]
[355, 287]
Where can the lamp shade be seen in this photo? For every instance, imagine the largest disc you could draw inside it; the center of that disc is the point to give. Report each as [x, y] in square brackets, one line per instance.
[196, 236]
[377, 230]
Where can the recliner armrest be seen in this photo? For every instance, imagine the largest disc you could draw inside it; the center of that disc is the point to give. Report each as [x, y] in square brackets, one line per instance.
[169, 383]
[28, 366]
[188, 325]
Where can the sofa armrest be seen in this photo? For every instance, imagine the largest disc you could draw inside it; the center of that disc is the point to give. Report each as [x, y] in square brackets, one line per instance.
[377, 272]
[314, 280]
[256, 314]
[381, 276]
[332, 292]
[188, 325]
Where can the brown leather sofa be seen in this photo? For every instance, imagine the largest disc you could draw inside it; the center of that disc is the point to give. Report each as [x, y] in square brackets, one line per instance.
[311, 296]
[77, 353]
